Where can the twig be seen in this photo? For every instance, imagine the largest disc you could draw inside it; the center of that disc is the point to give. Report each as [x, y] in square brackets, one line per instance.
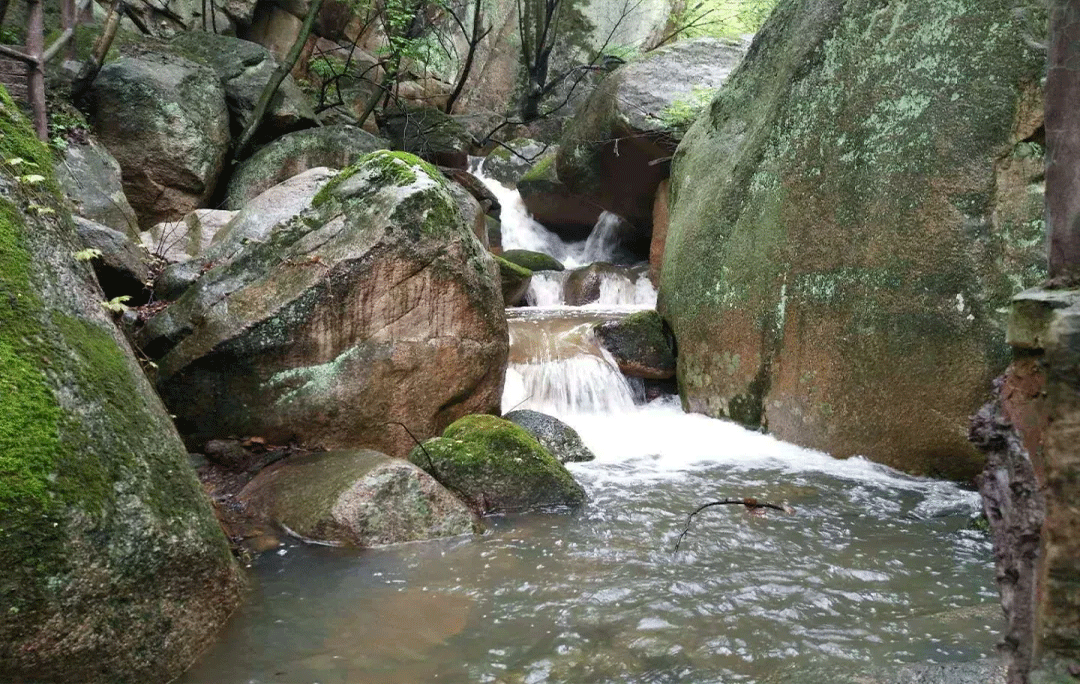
[750, 503]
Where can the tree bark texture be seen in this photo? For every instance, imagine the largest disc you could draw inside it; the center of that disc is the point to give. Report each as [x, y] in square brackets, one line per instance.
[1063, 140]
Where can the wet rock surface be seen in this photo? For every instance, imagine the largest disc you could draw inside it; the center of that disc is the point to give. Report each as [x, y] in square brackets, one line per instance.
[560, 439]
[640, 345]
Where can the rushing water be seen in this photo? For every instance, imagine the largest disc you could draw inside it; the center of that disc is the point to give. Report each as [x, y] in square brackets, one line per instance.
[873, 567]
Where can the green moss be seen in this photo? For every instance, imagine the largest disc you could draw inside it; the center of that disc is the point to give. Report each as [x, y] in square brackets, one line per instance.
[327, 191]
[496, 465]
[533, 261]
[542, 170]
[383, 168]
[510, 270]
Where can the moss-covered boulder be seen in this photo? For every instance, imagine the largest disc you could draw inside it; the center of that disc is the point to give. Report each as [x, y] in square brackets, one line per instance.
[560, 439]
[332, 146]
[112, 566]
[515, 281]
[164, 118]
[355, 498]
[612, 151]
[640, 345]
[244, 69]
[568, 214]
[848, 217]
[534, 261]
[375, 306]
[497, 466]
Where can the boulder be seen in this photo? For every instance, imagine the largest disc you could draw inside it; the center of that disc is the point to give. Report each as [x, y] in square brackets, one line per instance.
[331, 146]
[515, 281]
[640, 345]
[122, 268]
[560, 439]
[112, 566]
[165, 120]
[188, 238]
[534, 261]
[496, 466]
[471, 209]
[90, 177]
[512, 159]
[375, 306]
[358, 498]
[847, 218]
[430, 134]
[244, 69]
[582, 285]
[569, 215]
[253, 224]
[610, 151]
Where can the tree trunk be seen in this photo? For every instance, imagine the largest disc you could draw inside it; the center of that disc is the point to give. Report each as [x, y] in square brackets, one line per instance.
[276, 78]
[1063, 141]
[35, 48]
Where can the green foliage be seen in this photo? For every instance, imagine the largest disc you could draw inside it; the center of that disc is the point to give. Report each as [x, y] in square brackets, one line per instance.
[724, 18]
[87, 254]
[682, 112]
[64, 126]
[116, 304]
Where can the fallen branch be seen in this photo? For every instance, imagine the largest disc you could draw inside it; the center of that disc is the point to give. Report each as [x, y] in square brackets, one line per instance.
[751, 505]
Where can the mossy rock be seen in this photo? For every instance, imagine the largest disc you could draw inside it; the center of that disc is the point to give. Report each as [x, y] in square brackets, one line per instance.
[512, 159]
[515, 281]
[560, 439]
[430, 134]
[849, 217]
[534, 261]
[640, 345]
[497, 466]
[112, 565]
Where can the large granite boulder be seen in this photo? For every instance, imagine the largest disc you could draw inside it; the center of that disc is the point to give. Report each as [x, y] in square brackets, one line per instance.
[497, 466]
[640, 345]
[560, 439]
[512, 159]
[112, 566]
[165, 120]
[254, 224]
[614, 149]
[244, 69]
[429, 133]
[188, 238]
[122, 266]
[375, 306]
[569, 214]
[332, 146]
[515, 281]
[534, 261]
[848, 217]
[90, 177]
[358, 498]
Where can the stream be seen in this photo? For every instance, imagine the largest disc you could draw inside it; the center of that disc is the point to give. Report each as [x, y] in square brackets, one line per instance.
[874, 567]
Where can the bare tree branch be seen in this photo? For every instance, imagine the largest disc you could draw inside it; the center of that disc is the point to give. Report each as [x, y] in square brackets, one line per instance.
[751, 504]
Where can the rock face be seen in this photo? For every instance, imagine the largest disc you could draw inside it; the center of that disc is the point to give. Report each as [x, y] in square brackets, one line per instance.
[430, 134]
[165, 120]
[496, 466]
[640, 345]
[355, 498]
[122, 268]
[512, 160]
[1028, 433]
[375, 305]
[244, 69]
[635, 118]
[188, 238]
[331, 146]
[255, 223]
[560, 439]
[847, 216]
[90, 177]
[112, 566]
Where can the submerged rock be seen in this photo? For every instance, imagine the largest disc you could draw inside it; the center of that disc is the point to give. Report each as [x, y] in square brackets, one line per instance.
[112, 566]
[640, 345]
[376, 305]
[497, 466]
[848, 217]
[560, 439]
[356, 498]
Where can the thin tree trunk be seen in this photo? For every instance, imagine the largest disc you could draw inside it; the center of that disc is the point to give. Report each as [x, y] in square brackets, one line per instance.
[3, 10]
[474, 41]
[101, 48]
[68, 20]
[373, 101]
[35, 48]
[1063, 140]
[275, 80]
